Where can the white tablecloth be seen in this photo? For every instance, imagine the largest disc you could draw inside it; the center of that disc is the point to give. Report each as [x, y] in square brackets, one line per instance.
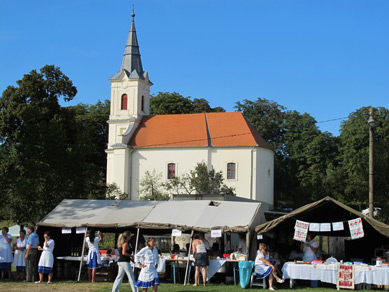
[328, 274]
[214, 266]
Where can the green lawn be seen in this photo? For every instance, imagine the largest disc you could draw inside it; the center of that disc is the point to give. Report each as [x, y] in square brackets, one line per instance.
[12, 286]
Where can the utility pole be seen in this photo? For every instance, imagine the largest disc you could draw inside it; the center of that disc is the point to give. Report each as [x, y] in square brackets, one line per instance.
[371, 123]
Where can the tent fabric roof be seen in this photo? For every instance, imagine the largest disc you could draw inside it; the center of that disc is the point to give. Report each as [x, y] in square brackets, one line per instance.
[196, 130]
[185, 215]
[204, 215]
[97, 213]
[323, 211]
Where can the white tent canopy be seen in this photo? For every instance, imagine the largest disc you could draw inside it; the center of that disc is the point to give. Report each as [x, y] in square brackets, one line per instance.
[185, 215]
[204, 215]
[97, 213]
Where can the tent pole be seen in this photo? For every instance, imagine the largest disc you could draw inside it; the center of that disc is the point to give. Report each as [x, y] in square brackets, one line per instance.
[136, 247]
[247, 245]
[82, 256]
[187, 262]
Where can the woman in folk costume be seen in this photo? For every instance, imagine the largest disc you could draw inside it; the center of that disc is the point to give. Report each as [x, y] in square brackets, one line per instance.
[46, 262]
[20, 252]
[94, 260]
[147, 258]
[6, 257]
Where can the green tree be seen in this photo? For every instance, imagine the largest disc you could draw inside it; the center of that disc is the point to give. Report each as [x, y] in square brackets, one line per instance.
[170, 103]
[201, 180]
[33, 142]
[151, 187]
[354, 154]
[49, 152]
[165, 103]
[302, 152]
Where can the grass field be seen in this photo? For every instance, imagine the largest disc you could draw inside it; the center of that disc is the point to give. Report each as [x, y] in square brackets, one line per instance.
[69, 286]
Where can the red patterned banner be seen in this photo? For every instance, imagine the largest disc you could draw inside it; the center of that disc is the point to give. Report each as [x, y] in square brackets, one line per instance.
[346, 277]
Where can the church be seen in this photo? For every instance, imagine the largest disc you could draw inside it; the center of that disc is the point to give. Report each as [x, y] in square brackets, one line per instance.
[172, 145]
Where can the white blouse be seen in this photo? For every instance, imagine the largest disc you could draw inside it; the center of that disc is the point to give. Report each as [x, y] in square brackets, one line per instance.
[149, 258]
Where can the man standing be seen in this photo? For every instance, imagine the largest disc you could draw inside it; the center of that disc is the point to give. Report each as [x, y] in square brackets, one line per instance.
[31, 254]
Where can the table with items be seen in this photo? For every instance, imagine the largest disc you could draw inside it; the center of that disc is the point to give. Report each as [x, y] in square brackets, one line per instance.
[328, 273]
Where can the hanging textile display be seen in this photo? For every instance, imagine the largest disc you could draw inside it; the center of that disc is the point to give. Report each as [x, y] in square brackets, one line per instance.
[356, 228]
[300, 230]
[346, 277]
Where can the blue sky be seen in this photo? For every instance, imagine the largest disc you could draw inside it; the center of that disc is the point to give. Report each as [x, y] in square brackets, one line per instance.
[324, 57]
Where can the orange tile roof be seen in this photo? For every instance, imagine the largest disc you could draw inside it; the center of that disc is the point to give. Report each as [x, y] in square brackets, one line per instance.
[194, 130]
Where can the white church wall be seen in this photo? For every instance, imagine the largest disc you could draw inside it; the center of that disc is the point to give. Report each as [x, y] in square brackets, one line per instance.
[187, 158]
[265, 176]
[241, 156]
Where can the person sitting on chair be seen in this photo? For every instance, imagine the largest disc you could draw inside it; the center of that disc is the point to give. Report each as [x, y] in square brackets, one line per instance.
[263, 267]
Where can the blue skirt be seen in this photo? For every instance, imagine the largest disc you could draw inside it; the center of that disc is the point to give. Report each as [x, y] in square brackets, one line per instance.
[264, 275]
[93, 263]
[142, 284]
[45, 270]
[5, 266]
[20, 268]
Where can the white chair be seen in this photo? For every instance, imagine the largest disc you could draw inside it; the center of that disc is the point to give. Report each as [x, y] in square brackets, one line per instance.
[261, 281]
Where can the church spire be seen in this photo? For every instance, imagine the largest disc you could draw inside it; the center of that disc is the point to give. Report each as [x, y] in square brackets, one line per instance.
[131, 63]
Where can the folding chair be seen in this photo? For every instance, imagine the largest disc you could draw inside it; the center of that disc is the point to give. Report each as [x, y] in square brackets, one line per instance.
[260, 283]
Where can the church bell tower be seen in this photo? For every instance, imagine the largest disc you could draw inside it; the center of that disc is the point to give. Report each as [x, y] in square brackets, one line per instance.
[130, 101]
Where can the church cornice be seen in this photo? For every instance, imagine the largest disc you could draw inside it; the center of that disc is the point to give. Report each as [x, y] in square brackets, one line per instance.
[111, 121]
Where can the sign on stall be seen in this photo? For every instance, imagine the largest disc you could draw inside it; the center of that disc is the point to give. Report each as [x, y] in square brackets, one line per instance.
[80, 230]
[66, 230]
[176, 232]
[216, 233]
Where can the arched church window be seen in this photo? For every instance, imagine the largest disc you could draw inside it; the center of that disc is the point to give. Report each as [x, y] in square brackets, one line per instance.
[142, 104]
[231, 170]
[124, 101]
[171, 170]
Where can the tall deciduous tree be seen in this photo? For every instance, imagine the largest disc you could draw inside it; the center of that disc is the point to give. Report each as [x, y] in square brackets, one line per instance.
[300, 161]
[354, 154]
[49, 152]
[165, 103]
[33, 141]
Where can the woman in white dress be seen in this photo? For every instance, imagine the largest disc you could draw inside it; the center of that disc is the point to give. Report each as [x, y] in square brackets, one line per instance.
[263, 267]
[46, 261]
[147, 258]
[94, 260]
[6, 257]
[20, 252]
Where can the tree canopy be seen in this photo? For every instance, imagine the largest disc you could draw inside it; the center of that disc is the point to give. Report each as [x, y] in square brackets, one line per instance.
[49, 152]
[165, 103]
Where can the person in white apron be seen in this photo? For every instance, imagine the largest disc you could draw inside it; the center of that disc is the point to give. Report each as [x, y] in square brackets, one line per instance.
[147, 258]
[94, 260]
[20, 252]
[46, 262]
[6, 257]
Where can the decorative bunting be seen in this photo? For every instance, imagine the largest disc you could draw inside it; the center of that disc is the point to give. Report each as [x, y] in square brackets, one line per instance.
[325, 227]
[300, 230]
[337, 226]
[314, 227]
[356, 228]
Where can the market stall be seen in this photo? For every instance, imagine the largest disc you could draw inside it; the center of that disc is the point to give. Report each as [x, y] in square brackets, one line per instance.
[69, 220]
[363, 239]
